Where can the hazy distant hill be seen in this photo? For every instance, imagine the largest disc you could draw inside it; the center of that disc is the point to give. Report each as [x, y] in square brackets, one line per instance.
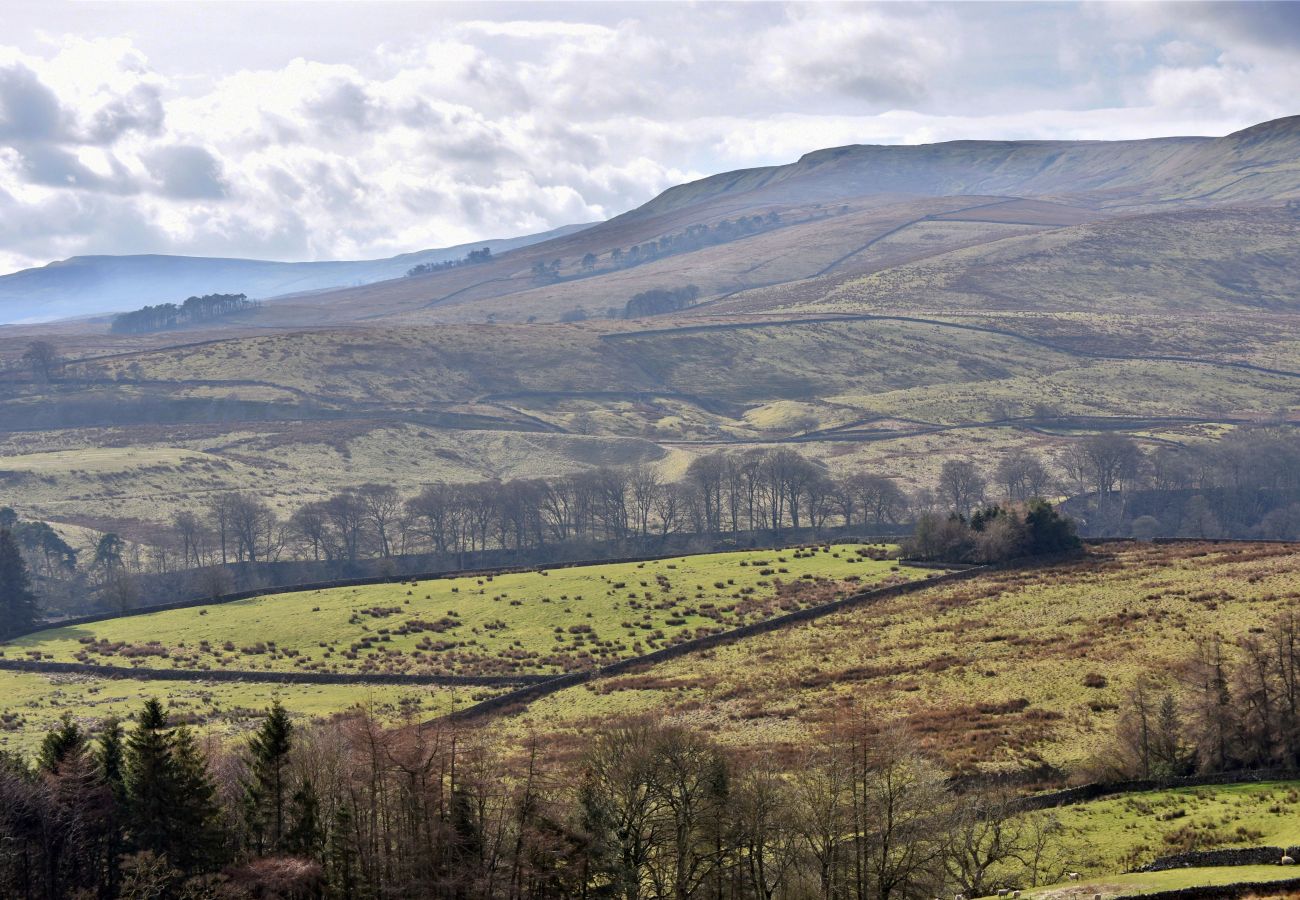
[94, 285]
[1257, 163]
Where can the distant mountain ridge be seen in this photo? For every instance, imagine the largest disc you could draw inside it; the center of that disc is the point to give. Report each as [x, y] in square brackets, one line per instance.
[98, 285]
[1132, 171]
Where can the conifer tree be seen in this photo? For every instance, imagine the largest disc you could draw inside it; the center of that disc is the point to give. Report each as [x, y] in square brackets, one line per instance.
[197, 843]
[17, 601]
[60, 745]
[304, 835]
[267, 791]
[171, 801]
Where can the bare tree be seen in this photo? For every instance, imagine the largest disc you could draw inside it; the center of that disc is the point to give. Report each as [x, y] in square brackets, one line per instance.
[383, 506]
[961, 486]
[43, 360]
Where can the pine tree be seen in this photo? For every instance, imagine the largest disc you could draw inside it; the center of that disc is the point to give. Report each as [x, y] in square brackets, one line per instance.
[110, 756]
[64, 743]
[171, 801]
[342, 855]
[266, 792]
[197, 842]
[110, 761]
[304, 835]
[150, 780]
[17, 602]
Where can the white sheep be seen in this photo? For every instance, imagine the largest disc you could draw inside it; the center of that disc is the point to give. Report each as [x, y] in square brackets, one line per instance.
[1002, 892]
[1288, 861]
[1074, 876]
[1015, 895]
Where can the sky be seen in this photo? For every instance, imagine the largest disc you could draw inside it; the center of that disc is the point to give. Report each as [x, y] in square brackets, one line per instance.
[342, 131]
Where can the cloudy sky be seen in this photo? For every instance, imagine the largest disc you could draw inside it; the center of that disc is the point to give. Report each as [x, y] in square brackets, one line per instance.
[327, 131]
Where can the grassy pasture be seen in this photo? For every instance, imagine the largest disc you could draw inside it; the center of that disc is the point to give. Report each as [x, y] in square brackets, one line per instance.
[31, 704]
[1126, 831]
[998, 672]
[1171, 880]
[534, 622]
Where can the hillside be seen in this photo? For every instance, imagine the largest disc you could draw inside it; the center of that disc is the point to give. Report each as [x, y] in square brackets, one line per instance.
[96, 285]
[530, 623]
[1013, 670]
[885, 308]
[819, 218]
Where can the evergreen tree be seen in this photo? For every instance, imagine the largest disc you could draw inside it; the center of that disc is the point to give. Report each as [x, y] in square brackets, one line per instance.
[17, 602]
[110, 761]
[304, 835]
[64, 743]
[266, 792]
[198, 838]
[343, 856]
[110, 755]
[171, 801]
[149, 780]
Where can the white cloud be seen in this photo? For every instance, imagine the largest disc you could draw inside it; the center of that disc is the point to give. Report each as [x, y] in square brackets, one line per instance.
[315, 143]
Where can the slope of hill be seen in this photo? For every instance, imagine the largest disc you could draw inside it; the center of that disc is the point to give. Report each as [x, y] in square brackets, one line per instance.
[1010, 670]
[95, 285]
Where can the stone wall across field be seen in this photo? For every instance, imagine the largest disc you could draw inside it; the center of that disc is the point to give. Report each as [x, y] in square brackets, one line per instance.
[1222, 891]
[1232, 856]
[529, 693]
[1097, 790]
[144, 674]
[449, 573]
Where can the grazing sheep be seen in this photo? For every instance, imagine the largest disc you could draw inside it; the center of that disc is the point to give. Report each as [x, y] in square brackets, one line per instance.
[1288, 861]
[1015, 895]
[1002, 892]
[1074, 876]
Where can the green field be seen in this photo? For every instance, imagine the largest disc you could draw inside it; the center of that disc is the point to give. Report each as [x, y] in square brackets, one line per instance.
[1171, 880]
[32, 704]
[546, 621]
[998, 672]
[1127, 831]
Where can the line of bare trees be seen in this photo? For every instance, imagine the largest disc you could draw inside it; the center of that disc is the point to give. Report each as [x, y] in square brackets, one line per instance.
[720, 494]
[349, 809]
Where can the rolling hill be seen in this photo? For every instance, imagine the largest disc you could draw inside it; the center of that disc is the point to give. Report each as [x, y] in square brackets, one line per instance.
[95, 285]
[885, 308]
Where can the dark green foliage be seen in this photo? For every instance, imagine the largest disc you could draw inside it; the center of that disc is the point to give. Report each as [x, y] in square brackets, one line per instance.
[267, 791]
[994, 534]
[17, 601]
[659, 301]
[1049, 531]
[171, 808]
[165, 316]
[304, 837]
[61, 744]
[111, 756]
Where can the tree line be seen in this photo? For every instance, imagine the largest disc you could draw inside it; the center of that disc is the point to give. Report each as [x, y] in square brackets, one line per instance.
[347, 809]
[472, 258]
[1246, 485]
[693, 237]
[166, 316]
[1226, 706]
